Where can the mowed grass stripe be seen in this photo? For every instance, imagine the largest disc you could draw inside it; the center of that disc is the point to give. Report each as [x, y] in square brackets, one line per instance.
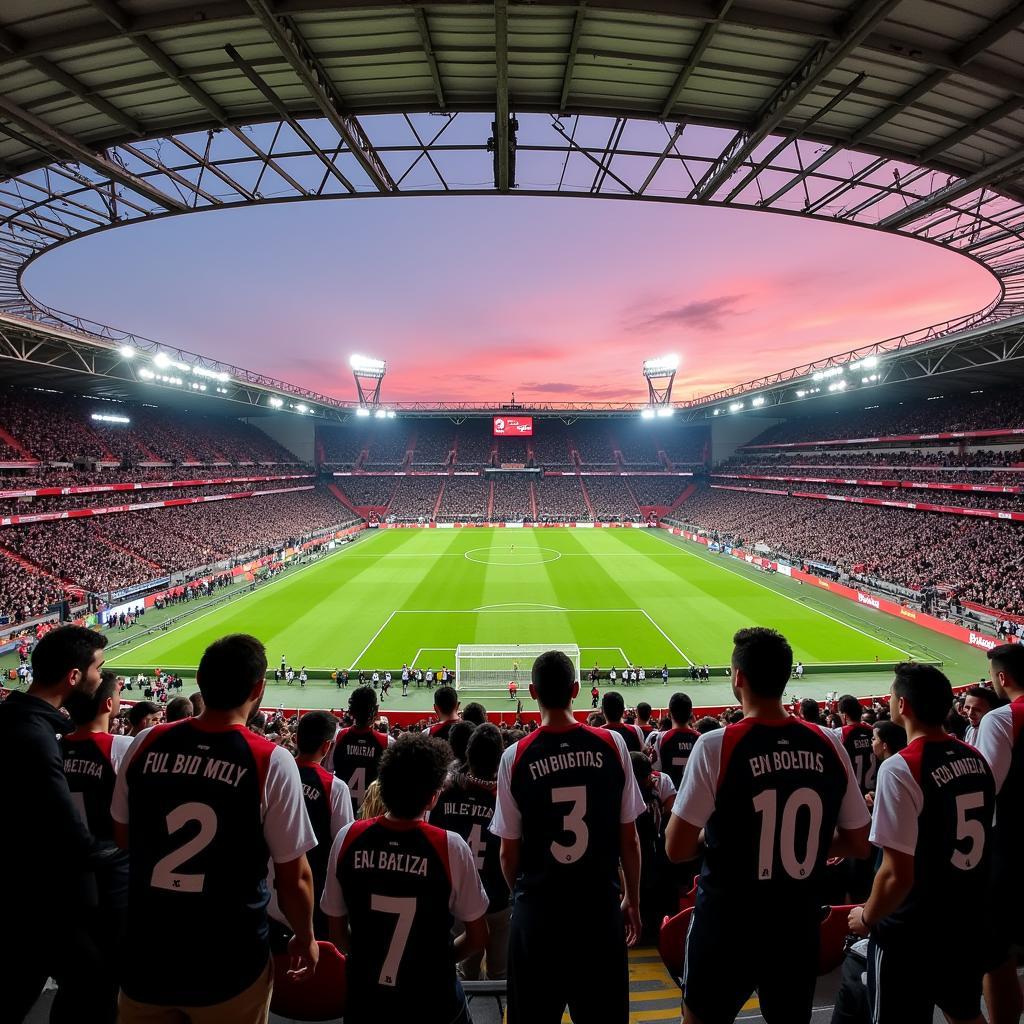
[327, 614]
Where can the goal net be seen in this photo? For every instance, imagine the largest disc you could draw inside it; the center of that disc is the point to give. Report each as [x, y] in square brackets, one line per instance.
[494, 666]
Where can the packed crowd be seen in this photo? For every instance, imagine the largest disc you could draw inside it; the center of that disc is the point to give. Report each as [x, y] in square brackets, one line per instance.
[511, 498]
[368, 490]
[24, 595]
[448, 827]
[979, 560]
[611, 498]
[465, 497]
[416, 496]
[434, 443]
[561, 498]
[978, 457]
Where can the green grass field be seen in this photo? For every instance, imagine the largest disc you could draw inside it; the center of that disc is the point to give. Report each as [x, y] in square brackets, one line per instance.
[410, 596]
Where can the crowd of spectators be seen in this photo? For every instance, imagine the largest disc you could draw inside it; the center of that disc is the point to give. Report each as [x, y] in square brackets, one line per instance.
[434, 442]
[592, 444]
[474, 445]
[639, 452]
[415, 497]
[977, 559]
[980, 457]
[23, 594]
[512, 450]
[511, 498]
[984, 410]
[387, 446]
[561, 498]
[465, 497]
[551, 447]
[656, 490]
[611, 498]
[340, 446]
[368, 490]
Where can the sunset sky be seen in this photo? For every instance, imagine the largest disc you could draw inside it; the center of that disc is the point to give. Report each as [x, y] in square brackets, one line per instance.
[472, 298]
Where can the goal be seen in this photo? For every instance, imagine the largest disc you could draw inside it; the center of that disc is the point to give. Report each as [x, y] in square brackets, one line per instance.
[493, 666]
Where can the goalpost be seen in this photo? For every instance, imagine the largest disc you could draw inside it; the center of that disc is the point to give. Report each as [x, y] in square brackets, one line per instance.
[494, 666]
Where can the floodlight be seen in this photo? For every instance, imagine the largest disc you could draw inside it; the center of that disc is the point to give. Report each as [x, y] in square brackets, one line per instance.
[362, 411]
[201, 371]
[147, 374]
[835, 371]
[800, 394]
[735, 406]
[301, 408]
[369, 375]
[758, 401]
[126, 351]
[380, 414]
[664, 364]
[665, 411]
[276, 402]
[716, 412]
[391, 414]
[104, 417]
[647, 414]
[839, 385]
[162, 359]
[659, 374]
[366, 366]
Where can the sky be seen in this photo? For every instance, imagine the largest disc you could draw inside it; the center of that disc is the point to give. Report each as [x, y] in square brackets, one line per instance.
[472, 298]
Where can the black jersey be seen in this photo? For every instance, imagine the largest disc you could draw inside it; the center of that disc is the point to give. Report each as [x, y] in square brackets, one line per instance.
[857, 743]
[90, 766]
[317, 783]
[563, 792]
[466, 807]
[202, 809]
[1001, 741]
[630, 735]
[399, 883]
[674, 749]
[935, 800]
[778, 789]
[440, 730]
[357, 754]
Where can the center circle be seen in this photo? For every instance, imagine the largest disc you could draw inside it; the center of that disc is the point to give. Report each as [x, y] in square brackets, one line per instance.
[498, 556]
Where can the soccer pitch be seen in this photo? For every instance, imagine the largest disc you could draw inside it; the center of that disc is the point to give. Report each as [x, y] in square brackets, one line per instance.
[411, 596]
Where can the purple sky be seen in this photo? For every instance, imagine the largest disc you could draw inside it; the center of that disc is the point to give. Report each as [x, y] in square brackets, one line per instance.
[474, 297]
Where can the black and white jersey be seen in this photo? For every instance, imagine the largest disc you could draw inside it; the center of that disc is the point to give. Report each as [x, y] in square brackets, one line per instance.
[672, 750]
[857, 743]
[91, 761]
[934, 801]
[631, 735]
[1001, 742]
[466, 807]
[401, 884]
[205, 812]
[564, 793]
[440, 730]
[356, 759]
[769, 796]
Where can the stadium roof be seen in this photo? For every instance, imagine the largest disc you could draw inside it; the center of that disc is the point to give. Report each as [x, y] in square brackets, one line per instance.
[902, 115]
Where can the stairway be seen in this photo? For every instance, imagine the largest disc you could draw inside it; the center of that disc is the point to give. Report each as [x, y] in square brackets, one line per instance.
[440, 495]
[29, 566]
[13, 442]
[533, 500]
[690, 488]
[490, 501]
[343, 498]
[586, 497]
[629, 489]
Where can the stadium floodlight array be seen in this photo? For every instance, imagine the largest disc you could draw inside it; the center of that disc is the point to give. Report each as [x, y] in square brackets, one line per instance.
[369, 375]
[494, 666]
[659, 374]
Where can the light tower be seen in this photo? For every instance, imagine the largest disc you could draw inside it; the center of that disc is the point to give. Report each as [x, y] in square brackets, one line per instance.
[660, 373]
[369, 375]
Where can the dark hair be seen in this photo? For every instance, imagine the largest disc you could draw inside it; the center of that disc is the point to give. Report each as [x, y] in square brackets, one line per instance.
[851, 707]
[553, 676]
[315, 728]
[84, 709]
[990, 697]
[925, 689]
[484, 751]
[734, 717]
[411, 771]
[475, 713]
[458, 739]
[643, 711]
[230, 669]
[665, 723]
[680, 707]
[446, 699]
[62, 650]
[708, 724]
[258, 722]
[178, 709]
[641, 767]
[955, 724]
[613, 706]
[137, 712]
[1008, 658]
[765, 659]
[892, 735]
[809, 710]
[362, 705]
[198, 704]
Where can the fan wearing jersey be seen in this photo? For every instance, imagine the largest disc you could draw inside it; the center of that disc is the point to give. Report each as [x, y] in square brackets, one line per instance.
[613, 707]
[769, 799]
[643, 720]
[446, 707]
[659, 895]
[359, 748]
[857, 737]
[1001, 742]
[933, 822]
[566, 813]
[467, 807]
[395, 886]
[202, 805]
[671, 750]
[327, 801]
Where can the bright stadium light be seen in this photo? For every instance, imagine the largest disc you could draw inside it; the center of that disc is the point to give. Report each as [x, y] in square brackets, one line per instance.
[835, 371]
[104, 417]
[647, 414]
[362, 411]
[665, 411]
[275, 402]
[716, 412]
[664, 364]
[659, 374]
[758, 401]
[381, 414]
[366, 365]
[201, 371]
[126, 351]
[391, 414]
[147, 374]
[839, 385]
[735, 406]
[301, 407]
[162, 359]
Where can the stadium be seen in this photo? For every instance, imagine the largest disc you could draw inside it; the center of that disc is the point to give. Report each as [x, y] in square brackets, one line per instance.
[868, 504]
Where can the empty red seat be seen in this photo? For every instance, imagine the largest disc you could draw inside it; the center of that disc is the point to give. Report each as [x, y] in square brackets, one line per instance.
[321, 997]
[672, 941]
[834, 930]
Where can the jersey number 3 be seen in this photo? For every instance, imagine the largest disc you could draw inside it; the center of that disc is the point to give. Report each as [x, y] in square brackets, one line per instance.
[572, 822]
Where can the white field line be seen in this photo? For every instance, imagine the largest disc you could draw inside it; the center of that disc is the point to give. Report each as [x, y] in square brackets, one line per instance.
[508, 611]
[665, 635]
[189, 622]
[412, 663]
[817, 611]
[370, 644]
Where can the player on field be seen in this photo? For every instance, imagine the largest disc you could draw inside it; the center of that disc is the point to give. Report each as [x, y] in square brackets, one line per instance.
[199, 805]
[567, 807]
[933, 822]
[359, 748]
[394, 886]
[327, 801]
[764, 797]
[446, 707]
[1001, 742]
[613, 707]
[671, 750]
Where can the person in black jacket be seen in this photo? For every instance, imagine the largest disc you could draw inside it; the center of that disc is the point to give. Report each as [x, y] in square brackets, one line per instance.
[50, 856]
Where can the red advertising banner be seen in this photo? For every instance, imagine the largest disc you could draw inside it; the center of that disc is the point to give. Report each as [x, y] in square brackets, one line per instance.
[957, 435]
[146, 485]
[913, 485]
[513, 426]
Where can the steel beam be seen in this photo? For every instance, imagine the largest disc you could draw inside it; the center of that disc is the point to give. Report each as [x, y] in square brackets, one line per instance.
[428, 48]
[501, 138]
[570, 60]
[303, 62]
[694, 58]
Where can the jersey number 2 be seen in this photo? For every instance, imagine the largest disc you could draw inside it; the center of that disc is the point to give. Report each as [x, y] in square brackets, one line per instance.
[165, 872]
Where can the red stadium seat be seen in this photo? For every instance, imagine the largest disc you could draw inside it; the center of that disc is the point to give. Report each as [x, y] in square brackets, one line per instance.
[688, 899]
[834, 930]
[321, 997]
[672, 941]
